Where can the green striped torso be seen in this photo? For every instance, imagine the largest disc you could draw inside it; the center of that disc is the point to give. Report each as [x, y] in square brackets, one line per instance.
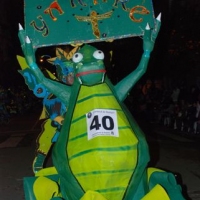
[104, 163]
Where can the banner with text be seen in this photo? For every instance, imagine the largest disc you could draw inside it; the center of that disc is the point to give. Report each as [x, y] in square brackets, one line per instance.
[60, 22]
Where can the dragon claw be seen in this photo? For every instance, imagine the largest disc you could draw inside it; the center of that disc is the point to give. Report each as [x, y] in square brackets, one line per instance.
[151, 35]
[28, 40]
[20, 27]
[159, 17]
[26, 45]
[147, 27]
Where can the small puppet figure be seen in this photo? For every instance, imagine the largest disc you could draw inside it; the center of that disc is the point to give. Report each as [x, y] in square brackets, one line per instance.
[53, 109]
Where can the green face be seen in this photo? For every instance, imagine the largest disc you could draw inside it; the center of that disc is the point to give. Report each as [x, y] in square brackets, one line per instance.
[89, 66]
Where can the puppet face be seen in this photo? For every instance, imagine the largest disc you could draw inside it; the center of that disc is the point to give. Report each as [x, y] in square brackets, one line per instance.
[65, 71]
[89, 66]
[65, 74]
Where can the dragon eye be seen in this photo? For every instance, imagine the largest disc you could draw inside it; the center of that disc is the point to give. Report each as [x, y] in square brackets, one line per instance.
[77, 57]
[98, 54]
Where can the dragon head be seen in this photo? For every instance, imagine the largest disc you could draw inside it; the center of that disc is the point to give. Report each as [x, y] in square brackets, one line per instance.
[89, 66]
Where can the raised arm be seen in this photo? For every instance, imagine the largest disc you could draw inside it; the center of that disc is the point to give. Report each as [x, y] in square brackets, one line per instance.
[60, 90]
[125, 85]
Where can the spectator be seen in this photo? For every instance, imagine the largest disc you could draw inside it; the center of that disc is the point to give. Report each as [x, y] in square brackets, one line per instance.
[175, 94]
[191, 116]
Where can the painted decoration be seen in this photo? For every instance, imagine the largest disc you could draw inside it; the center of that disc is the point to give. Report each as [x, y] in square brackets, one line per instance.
[84, 21]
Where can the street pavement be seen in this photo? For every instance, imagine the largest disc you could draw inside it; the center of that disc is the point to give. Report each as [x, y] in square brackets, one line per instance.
[169, 150]
[180, 154]
[17, 148]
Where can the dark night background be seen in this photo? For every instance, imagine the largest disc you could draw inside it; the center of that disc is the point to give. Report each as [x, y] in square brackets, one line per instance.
[175, 56]
[174, 60]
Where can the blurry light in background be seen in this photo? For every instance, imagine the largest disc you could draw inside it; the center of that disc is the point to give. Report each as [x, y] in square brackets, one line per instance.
[44, 57]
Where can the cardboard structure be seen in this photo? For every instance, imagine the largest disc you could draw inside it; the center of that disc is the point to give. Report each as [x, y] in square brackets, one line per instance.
[83, 21]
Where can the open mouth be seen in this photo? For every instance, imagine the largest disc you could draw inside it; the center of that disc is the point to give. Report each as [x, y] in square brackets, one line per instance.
[90, 72]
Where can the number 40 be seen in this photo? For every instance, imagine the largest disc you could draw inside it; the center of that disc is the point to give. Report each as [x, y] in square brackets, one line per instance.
[106, 122]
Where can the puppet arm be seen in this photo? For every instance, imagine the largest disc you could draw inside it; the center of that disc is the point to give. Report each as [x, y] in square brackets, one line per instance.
[125, 85]
[60, 90]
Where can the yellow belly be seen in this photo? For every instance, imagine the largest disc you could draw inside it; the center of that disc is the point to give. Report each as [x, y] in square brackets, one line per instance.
[104, 163]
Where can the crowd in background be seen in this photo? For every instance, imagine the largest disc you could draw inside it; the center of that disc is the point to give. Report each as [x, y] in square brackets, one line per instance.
[15, 101]
[176, 107]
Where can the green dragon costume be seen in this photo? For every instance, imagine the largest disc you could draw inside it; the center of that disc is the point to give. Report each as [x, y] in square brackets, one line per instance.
[101, 153]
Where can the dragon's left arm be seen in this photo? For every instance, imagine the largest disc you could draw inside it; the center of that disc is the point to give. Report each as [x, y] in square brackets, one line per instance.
[125, 85]
[60, 90]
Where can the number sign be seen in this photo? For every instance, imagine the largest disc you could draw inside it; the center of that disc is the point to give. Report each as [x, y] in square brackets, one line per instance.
[102, 122]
